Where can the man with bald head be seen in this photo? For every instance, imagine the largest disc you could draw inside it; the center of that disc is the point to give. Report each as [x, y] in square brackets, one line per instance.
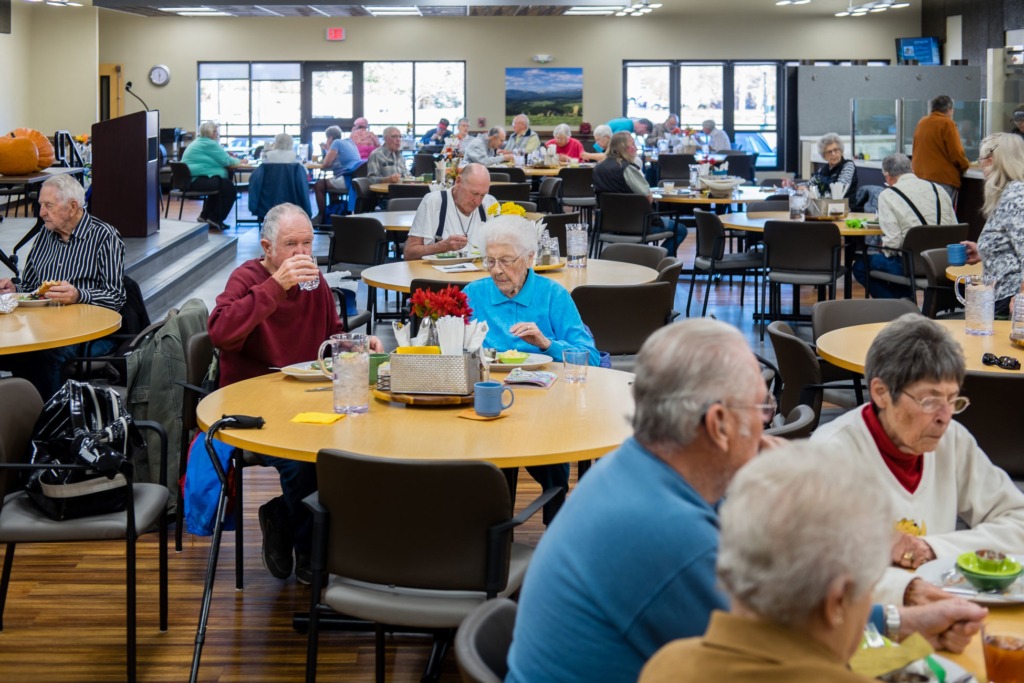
[451, 219]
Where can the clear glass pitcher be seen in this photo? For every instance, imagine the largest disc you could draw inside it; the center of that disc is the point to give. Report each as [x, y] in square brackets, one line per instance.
[350, 368]
[979, 300]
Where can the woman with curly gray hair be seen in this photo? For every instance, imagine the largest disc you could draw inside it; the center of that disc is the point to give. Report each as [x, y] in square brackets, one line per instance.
[838, 169]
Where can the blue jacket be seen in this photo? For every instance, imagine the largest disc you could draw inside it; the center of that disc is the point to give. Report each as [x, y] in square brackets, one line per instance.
[273, 184]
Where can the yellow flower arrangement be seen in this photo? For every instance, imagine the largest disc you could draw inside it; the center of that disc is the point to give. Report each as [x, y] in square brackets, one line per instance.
[508, 208]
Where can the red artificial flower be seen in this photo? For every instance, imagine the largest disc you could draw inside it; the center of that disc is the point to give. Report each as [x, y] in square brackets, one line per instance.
[449, 301]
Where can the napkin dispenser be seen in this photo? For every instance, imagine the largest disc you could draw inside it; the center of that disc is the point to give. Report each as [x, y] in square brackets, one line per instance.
[430, 374]
[825, 209]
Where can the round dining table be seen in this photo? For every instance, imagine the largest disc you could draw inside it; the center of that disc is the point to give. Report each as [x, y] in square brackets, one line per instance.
[741, 195]
[847, 347]
[565, 423]
[395, 221]
[754, 222]
[953, 272]
[397, 276]
[35, 328]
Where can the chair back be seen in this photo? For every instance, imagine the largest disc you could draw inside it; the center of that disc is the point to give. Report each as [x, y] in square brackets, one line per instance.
[623, 213]
[404, 203]
[556, 222]
[550, 187]
[483, 641]
[198, 356]
[513, 192]
[741, 164]
[939, 295]
[768, 205]
[798, 425]
[992, 417]
[529, 207]
[515, 174]
[22, 407]
[181, 176]
[622, 317]
[399, 190]
[414, 523]
[669, 269]
[798, 365]
[802, 246]
[134, 316]
[356, 242]
[710, 235]
[423, 164]
[640, 254]
[499, 176]
[836, 314]
[924, 237]
[577, 182]
[365, 199]
[781, 197]
[675, 167]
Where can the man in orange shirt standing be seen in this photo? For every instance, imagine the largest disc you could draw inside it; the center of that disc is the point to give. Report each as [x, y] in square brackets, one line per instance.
[938, 151]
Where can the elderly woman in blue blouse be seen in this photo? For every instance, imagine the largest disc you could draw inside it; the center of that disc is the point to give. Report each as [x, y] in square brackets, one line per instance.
[526, 312]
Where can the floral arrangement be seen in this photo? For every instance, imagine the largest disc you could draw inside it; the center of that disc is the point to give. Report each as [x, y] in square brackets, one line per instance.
[507, 208]
[451, 174]
[433, 305]
[82, 139]
[688, 132]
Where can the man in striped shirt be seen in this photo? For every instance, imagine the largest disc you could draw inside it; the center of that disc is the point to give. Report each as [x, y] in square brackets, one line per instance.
[83, 256]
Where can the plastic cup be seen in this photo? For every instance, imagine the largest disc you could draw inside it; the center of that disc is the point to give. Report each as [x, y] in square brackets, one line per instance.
[574, 365]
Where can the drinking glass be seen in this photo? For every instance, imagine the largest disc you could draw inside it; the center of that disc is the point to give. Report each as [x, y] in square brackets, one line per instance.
[797, 206]
[1003, 646]
[979, 300]
[576, 245]
[311, 285]
[574, 365]
[350, 368]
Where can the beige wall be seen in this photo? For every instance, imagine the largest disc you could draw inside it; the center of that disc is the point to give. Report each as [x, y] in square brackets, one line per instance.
[599, 45]
[14, 49]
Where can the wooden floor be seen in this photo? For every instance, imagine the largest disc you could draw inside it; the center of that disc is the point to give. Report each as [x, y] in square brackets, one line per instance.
[64, 620]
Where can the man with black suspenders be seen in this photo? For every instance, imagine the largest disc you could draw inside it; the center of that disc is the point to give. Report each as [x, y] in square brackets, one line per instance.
[908, 202]
[451, 219]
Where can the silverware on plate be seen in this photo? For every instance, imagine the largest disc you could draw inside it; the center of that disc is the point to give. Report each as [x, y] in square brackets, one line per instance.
[321, 388]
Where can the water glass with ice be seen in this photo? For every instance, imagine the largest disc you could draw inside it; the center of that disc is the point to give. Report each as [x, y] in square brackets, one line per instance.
[350, 367]
[979, 300]
[576, 245]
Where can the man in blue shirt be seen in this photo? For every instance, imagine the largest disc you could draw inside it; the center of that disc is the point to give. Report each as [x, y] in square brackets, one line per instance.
[629, 564]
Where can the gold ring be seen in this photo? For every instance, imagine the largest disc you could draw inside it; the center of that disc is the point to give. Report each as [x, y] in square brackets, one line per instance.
[908, 557]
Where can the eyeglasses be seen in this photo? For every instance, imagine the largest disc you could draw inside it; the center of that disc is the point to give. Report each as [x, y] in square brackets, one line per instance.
[505, 262]
[767, 409]
[834, 150]
[1005, 362]
[933, 404]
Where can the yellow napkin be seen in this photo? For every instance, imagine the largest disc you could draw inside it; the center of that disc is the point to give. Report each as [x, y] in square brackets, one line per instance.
[317, 418]
[877, 661]
[470, 414]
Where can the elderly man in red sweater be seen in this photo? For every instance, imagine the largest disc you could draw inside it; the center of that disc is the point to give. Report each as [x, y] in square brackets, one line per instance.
[938, 153]
[265, 320]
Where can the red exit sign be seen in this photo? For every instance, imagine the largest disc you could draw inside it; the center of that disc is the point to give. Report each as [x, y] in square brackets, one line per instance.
[336, 33]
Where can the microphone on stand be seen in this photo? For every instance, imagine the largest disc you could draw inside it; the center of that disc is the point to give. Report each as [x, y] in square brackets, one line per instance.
[128, 89]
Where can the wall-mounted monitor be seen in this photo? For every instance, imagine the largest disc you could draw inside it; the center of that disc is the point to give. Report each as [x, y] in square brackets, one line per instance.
[924, 50]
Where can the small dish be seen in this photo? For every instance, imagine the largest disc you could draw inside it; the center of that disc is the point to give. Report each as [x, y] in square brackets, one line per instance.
[34, 303]
[988, 571]
[306, 372]
[550, 266]
[532, 362]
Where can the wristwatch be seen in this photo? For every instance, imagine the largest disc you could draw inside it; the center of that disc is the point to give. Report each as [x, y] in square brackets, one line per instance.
[892, 622]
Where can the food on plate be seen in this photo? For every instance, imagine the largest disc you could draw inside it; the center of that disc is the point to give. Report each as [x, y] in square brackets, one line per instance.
[855, 223]
[448, 254]
[513, 357]
[43, 289]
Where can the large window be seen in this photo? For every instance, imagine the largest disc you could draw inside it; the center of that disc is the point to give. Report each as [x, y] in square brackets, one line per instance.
[740, 97]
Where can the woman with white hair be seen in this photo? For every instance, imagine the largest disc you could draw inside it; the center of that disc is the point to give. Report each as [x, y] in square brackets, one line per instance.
[565, 144]
[209, 164]
[526, 312]
[838, 169]
[799, 564]
[281, 151]
[602, 140]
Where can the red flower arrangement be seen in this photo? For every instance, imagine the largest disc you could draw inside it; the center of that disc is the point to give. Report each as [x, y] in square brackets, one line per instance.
[449, 301]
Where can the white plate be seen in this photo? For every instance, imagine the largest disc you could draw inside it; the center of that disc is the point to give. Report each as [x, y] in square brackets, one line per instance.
[34, 303]
[303, 373]
[532, 362]
[943, 574]
[434, 258]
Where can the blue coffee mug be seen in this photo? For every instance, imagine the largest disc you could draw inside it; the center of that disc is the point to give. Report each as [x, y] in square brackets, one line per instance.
[956, 254]
[487, 398]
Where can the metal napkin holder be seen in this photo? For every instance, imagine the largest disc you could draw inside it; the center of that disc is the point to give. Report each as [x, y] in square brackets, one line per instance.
[835, 209]
[434, 374]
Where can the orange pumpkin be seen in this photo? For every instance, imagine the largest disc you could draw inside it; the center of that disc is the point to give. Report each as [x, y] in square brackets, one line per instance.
[44, 148]
[18, 156]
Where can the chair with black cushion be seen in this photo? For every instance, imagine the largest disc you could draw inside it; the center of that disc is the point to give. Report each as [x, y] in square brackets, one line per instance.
[917, 240]
[499, 176]
[741, 164]
[711, 259]
[622, 317]
[515, 174]
[798, 424]
[780, 197]
[512, 192]
[556, 222]
[273, 184]
[768, 205]
[577, 190]
[992, 417]
[111, 366]
[647, 255]
[626, 218]
[547, 194]
[411, 543]
[22, 522]
[357, 243]
[675, 167]
[399, 190]
[198, 357]
[404, 203]
[181, 185]
[798, 253]
[939, 295]
[423, 164]
[669, 269]
[801, 373]
[366, 199]
[483, 640]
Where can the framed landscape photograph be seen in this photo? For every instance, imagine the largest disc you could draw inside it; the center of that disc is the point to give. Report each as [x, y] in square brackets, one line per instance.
[549, 96]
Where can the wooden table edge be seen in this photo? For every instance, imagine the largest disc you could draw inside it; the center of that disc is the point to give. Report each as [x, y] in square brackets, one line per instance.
[57, 343]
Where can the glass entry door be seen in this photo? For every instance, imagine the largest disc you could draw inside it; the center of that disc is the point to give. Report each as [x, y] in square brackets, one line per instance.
[332, 95]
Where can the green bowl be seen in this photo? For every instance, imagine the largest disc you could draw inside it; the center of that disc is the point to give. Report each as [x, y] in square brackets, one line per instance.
[986, 575]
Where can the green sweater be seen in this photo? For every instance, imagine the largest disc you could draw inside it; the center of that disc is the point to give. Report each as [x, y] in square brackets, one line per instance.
[205, 157]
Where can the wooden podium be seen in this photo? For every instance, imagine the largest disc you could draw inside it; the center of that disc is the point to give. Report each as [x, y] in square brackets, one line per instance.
[125, 173]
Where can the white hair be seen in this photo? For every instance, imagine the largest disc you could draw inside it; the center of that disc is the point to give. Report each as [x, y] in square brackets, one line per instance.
[603, 131]
[794, 520]
[512, 230]
[283, 142]
[277, 214]
[829, 139]
[563, 129]
[208, 129]
[67, 188]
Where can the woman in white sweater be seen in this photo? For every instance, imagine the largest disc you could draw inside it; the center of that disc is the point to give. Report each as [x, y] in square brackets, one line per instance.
[930, 465]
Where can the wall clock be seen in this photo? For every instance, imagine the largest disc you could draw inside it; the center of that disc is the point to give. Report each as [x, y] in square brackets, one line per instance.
[160, 75]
